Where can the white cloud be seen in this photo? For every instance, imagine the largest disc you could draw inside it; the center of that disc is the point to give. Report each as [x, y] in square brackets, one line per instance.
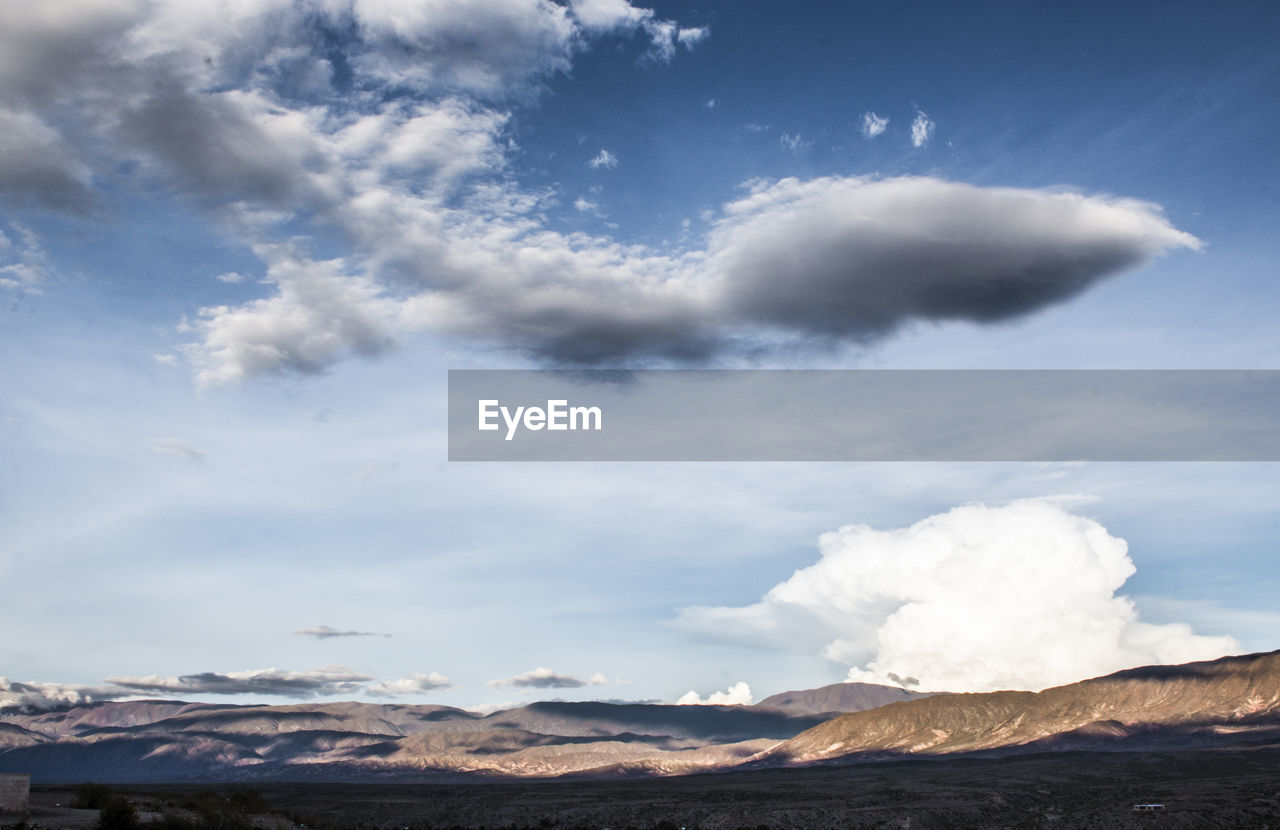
[230, 277]
[177, 447]
[482, 47]
[690, 37]
[873, 125]
[794, 143]
[544, 678]
[584, 205]
[739, 694]
[921, 129]
[1020, 596]
[318, 314]
[609, 14]
[28, 266]
[603, 159]
[411, 685]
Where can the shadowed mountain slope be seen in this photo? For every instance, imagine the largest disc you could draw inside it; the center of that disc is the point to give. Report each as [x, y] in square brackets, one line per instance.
[1189, 705]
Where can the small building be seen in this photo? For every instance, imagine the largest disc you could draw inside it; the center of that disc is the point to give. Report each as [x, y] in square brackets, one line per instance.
[14, 792]
[1147, 808]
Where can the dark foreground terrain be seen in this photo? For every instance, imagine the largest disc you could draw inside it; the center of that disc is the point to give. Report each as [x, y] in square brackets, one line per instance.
[1206, 788]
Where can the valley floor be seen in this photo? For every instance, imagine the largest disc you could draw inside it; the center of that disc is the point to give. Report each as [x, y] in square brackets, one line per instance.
[1207, 788]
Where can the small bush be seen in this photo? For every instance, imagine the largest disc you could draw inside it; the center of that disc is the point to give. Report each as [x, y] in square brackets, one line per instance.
[118, 815]
[90, 796]
[248, 800]
[172, 822]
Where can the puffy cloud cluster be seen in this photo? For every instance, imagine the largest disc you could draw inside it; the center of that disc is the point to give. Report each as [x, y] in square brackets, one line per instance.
[739, 694]
[384, 124]
[1019, 596]
[330, 680]
[412, 685]
[43, 697]
[322, 682]
[544, 678]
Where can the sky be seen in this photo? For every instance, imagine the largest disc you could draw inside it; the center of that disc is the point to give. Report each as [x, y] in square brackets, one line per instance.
[243, 241]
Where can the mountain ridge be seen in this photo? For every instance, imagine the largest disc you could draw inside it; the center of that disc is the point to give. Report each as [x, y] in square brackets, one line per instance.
[1231, 701]
[1239, 691]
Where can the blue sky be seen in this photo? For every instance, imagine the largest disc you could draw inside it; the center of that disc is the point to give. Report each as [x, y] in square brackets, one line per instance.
[243, 245]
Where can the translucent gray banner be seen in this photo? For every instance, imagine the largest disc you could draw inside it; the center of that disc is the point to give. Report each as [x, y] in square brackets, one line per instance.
[876, 415]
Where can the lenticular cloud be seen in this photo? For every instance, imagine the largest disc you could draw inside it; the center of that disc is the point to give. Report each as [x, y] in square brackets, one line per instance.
[1020, 596]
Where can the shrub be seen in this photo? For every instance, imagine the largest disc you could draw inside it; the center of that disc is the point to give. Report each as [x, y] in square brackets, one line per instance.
[118, 815]
[90, 796]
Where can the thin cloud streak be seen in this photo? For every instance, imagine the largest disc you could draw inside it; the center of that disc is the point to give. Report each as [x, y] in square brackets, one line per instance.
[324, 632]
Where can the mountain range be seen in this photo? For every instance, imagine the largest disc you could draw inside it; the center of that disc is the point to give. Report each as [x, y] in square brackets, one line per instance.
[1231, 701]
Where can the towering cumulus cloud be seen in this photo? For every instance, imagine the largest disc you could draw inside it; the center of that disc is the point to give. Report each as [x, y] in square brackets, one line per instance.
[1021, 596]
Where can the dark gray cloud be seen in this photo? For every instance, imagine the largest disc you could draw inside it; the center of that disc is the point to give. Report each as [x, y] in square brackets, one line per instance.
[324, 632]
[221, 146]
[38, 167]
[854, 259]
[332, 680]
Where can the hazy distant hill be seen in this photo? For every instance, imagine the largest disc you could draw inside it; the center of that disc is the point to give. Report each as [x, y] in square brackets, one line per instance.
[837, 699]
[1233, 701]
[168, 740]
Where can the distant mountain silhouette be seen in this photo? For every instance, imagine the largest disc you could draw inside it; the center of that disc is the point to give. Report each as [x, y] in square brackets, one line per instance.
[1232, 701]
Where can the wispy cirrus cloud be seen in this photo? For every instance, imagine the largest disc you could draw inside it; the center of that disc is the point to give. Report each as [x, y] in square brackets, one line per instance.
[921, 129]
[603, 159]
[177, 447]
